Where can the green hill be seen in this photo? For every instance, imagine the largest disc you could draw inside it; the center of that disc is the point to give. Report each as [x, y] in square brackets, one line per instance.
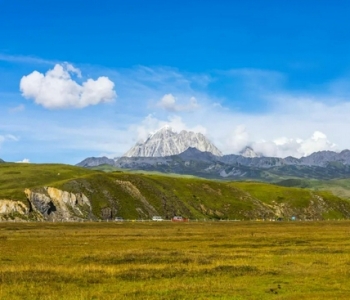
[56, 191]
[339, 187]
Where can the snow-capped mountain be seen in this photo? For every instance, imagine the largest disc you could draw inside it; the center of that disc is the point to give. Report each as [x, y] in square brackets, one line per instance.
[193, 154]
[166, 142]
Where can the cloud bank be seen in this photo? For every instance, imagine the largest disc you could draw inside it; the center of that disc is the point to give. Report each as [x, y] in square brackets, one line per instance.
[283, 147]
[56, 89]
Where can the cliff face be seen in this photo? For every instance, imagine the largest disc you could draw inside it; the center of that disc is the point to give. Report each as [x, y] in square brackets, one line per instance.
[47, 204]
[14, 208]
[55, 204]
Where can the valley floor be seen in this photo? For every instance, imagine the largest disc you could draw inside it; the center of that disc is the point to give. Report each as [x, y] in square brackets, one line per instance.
[163, 260]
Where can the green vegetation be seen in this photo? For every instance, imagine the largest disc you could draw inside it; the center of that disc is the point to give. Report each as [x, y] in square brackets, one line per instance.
[139, 195]
[164, 260]
[339, 187]
[106, 168]
[14, 178]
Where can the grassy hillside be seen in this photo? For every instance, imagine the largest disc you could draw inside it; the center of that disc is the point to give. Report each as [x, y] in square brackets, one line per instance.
[141, 195]
[14, 178]
[339, 187]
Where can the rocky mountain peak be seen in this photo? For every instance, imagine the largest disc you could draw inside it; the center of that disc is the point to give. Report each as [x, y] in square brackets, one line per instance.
[163, 133]
[249, 152]
[166, 142]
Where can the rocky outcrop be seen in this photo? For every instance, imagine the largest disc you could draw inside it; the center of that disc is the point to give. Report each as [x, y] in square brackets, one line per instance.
[10, 209]
[55, 204]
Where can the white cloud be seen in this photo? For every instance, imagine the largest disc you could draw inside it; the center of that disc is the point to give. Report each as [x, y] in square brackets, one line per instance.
[24, 161]
[295, 147]
[317, 142]
[56, 89]
[169, 103]
[238, 139]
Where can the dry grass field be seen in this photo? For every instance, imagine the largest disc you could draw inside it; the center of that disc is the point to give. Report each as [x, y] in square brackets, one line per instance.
[213, 260]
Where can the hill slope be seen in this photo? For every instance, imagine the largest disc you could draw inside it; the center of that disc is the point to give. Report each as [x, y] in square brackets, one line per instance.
[60, 192]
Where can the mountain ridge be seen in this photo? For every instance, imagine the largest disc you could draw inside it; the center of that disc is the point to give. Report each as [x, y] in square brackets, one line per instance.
[95, 161]
[193, 154]
[166, 142]
[319, 165]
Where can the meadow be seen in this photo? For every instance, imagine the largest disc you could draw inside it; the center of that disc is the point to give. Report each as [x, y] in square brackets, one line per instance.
[164, 260]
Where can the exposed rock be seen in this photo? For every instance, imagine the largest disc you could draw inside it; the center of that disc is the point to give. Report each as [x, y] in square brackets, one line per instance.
[107, 213]
[166, 142]
[68, 198]
[40, 202]
[12, 208]
[55, 204]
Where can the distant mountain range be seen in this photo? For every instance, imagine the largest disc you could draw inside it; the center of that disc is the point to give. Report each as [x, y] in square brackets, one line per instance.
[162, 152]
[96, 161]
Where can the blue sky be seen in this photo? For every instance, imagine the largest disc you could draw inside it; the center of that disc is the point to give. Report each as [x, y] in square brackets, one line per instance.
[90, 78]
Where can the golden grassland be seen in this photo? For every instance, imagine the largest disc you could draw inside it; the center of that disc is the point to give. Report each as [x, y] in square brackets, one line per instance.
[212, 260]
